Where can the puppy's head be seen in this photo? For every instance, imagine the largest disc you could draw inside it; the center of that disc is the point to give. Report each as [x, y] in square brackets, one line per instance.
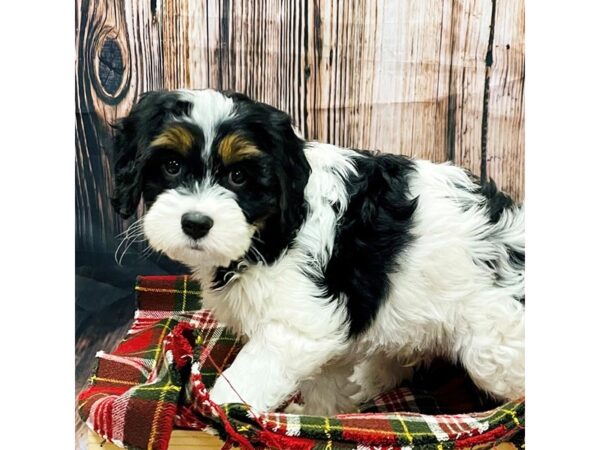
[222, 177]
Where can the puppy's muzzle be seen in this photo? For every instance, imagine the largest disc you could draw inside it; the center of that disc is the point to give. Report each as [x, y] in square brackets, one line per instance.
[195, 224]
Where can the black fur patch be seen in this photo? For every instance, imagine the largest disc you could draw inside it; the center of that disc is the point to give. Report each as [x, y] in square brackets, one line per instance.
[497, 201]
[192, 167]
[374, 231]
[517, 260]
[133, 136]
[224, 275]
[282, 174]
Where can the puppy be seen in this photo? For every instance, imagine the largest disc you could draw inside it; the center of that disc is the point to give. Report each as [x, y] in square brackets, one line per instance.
[340, 267]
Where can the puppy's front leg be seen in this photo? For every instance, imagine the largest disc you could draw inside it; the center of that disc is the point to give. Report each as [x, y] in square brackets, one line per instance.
[270, 366]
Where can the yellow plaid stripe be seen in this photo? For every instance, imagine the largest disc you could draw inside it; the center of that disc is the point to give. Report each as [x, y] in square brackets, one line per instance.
[150, 388]
[184, 293]
[161, 400]
[405, 428]
[327, 430]
[113, 380]
[513, 415]
[167, 291]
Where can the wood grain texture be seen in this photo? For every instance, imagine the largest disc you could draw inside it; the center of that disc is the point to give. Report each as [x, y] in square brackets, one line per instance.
[180, 440]
[470, 24]
[197, 440]
[505, 154]
[426, 78]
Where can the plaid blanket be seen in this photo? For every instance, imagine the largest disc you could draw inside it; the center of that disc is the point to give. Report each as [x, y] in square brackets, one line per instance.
[159, 376]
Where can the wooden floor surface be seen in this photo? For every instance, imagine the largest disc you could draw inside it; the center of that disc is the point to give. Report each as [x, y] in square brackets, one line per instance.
[180, 440]
[197, 440]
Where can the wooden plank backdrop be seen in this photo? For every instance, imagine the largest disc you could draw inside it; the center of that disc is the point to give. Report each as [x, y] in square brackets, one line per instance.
[435, 79]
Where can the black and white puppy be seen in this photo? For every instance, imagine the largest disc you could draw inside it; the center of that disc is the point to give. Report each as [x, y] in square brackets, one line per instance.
[340, 267]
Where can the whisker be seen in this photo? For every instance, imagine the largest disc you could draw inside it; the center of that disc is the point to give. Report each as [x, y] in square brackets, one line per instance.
[146, 251]
[125, 251]
[135, 226]
[123, 241]
[130, 230]
[133, 234]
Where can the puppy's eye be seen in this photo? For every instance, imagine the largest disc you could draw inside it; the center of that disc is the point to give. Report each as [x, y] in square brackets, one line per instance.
[237, 178]
[172, 168]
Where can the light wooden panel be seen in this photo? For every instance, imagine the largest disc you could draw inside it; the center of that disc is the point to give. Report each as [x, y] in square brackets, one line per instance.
[470, 25]
[409, 114]
[505, 151]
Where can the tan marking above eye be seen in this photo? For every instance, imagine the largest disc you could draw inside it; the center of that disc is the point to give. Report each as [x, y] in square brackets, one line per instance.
[176, 138]
[234, 148]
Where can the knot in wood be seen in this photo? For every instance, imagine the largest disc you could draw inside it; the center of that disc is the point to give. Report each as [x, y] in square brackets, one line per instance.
[110, 66]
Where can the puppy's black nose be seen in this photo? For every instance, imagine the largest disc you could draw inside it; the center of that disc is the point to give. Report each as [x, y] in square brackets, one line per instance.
[195, 224]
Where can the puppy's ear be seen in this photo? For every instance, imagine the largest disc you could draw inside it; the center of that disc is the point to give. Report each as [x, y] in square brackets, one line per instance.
[273, 128]
[293, 172]
[127, 189]
[133, 135]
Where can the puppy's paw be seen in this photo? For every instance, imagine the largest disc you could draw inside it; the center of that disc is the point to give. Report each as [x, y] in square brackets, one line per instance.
[223, 393]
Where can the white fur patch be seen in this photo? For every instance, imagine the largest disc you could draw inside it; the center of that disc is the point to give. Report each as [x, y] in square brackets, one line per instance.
[209, 109]
[228, 239]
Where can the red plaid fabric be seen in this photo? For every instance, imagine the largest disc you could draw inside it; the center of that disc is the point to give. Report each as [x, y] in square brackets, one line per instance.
[159, 377]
